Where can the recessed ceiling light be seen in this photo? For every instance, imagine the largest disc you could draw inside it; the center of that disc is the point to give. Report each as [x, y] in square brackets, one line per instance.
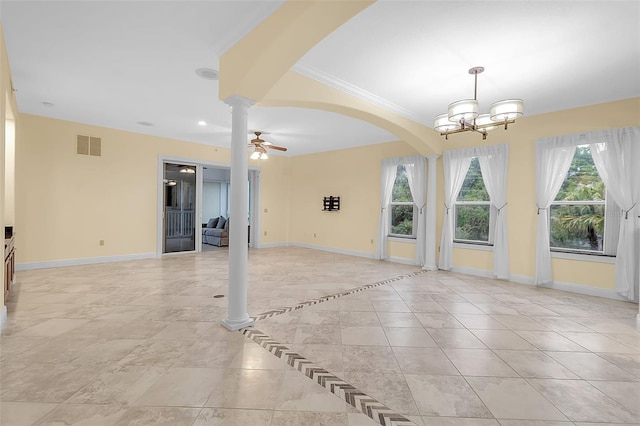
[145, 123]
[48, 104]
[207, 73]
[202, 123]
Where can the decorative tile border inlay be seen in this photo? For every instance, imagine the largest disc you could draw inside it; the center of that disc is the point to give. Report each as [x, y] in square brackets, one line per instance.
[286, 309]
[352, 395]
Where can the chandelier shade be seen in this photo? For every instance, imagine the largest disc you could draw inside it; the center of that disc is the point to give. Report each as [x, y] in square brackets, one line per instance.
[464, 115]
[464, 110]
[509, 109]
[485, 122]
[442, 124]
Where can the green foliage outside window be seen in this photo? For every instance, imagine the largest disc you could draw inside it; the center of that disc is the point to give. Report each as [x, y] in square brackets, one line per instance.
[401, 214]
[579, 226]
[473, 188]
[402, 220]
[472, 220]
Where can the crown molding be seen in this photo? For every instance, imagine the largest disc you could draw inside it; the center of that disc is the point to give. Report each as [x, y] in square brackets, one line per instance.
[351, 89]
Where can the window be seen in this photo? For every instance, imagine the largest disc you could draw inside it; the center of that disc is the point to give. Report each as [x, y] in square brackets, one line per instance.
[577, 216]
[403, 210]
[472, 208]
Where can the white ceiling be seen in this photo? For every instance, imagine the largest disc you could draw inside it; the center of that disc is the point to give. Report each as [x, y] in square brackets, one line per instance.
[117, 63]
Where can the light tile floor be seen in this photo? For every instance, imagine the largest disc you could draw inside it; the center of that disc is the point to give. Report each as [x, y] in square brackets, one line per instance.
[139, 342]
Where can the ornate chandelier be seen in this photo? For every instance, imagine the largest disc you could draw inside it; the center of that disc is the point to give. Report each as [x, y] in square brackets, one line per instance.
[464, 115]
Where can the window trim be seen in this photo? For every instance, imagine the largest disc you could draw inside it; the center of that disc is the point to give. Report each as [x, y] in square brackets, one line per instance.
[403, 239]
[472, 245]
[584, 257]
[414, 231]
[580, 254]
[488, 242]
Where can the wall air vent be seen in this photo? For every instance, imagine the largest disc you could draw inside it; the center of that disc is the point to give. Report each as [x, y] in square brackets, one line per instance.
[89, 145]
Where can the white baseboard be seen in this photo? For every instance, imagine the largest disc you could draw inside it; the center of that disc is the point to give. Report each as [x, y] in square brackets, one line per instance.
[272, 245]
[85, 261]
[341, 251]
[584, 289]
[472, 271]
[3, 318]
[403, 260]
[334, 250]
[555, 285]
[523, 279]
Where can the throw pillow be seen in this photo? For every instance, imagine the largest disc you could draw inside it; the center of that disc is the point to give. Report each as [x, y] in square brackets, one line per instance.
[221, 222]
[212, 223]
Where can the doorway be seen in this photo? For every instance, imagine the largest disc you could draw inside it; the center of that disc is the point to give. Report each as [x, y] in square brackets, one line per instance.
[179, 207]
[192, 192]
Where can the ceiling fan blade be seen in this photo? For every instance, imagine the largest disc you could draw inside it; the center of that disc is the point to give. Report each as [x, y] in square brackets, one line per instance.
[278, 148]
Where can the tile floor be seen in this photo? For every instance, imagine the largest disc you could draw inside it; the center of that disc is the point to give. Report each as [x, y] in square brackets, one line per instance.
[139, 343]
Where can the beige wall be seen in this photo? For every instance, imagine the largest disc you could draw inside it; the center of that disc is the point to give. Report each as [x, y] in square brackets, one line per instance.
[66, 202]
[9, 167]
[354, 176]
[8, 112]
[275, 176]
[521, 187]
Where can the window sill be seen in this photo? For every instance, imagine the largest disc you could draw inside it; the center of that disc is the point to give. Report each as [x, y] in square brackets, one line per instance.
[409, 240]
[472, 246]
[600, 258]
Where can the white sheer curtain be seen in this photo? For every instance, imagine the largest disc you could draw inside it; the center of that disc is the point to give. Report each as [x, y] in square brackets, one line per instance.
[389, 168]
[456, 165]
[493, 164]
[611, 224]
[553, 159]
[616, 154]
[417, 177]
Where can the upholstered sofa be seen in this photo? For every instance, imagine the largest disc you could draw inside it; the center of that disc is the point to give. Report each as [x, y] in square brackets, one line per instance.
[216, 232]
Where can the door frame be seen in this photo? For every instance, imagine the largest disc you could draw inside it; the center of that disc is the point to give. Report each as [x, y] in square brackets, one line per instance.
[254, 176]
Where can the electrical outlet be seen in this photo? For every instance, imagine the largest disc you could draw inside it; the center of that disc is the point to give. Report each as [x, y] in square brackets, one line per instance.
[101, 242]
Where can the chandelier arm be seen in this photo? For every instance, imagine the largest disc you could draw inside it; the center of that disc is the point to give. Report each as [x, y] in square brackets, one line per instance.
[481, 131]
[496, 123]
[475, 87]
[476, 128]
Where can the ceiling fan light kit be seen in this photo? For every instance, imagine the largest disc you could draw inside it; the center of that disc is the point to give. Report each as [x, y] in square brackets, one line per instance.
[464, 115]
[259, 148]
[257, 155]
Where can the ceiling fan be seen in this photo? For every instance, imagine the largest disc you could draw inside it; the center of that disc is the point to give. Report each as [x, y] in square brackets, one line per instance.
[259, 147]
